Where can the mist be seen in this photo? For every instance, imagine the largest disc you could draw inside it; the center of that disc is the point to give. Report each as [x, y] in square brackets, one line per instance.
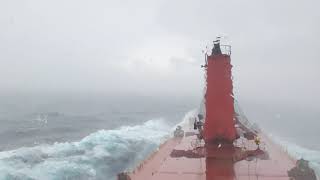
[90, 88]
[154, 48]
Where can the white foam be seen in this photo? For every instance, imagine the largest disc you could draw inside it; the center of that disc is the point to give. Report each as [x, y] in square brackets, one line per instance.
[98, 156]
[187, 121]
[299, 152]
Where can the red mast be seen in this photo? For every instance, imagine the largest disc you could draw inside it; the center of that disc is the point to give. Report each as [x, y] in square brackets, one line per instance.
[219, 126]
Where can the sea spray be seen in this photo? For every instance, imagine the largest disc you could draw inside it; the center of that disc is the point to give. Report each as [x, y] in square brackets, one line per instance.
[188, 120]
[299, 152]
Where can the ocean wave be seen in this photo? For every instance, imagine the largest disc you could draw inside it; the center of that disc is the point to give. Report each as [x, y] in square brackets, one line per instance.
[100, 155]
[298, 152]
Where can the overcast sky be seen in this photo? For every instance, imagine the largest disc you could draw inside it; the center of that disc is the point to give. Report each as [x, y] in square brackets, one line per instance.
[154, 47]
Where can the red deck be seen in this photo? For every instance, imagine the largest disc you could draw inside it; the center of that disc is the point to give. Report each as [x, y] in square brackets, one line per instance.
[161, 166]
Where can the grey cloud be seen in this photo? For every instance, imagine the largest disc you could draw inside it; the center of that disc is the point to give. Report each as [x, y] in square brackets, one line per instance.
[141, 46]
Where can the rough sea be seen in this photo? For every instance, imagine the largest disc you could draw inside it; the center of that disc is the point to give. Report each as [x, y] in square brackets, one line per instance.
[83, 136]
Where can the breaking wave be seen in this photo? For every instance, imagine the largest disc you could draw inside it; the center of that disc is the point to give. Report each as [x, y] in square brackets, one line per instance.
[100, 155]
[299, 152]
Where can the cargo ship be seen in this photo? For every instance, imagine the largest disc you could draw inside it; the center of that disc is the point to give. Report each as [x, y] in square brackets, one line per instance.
[219, 143]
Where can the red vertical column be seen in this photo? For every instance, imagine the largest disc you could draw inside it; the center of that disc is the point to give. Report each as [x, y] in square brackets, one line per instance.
[219, 123]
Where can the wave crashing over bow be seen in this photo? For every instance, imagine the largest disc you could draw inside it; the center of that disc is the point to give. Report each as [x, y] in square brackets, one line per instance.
[298, 152]
[101, 155]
